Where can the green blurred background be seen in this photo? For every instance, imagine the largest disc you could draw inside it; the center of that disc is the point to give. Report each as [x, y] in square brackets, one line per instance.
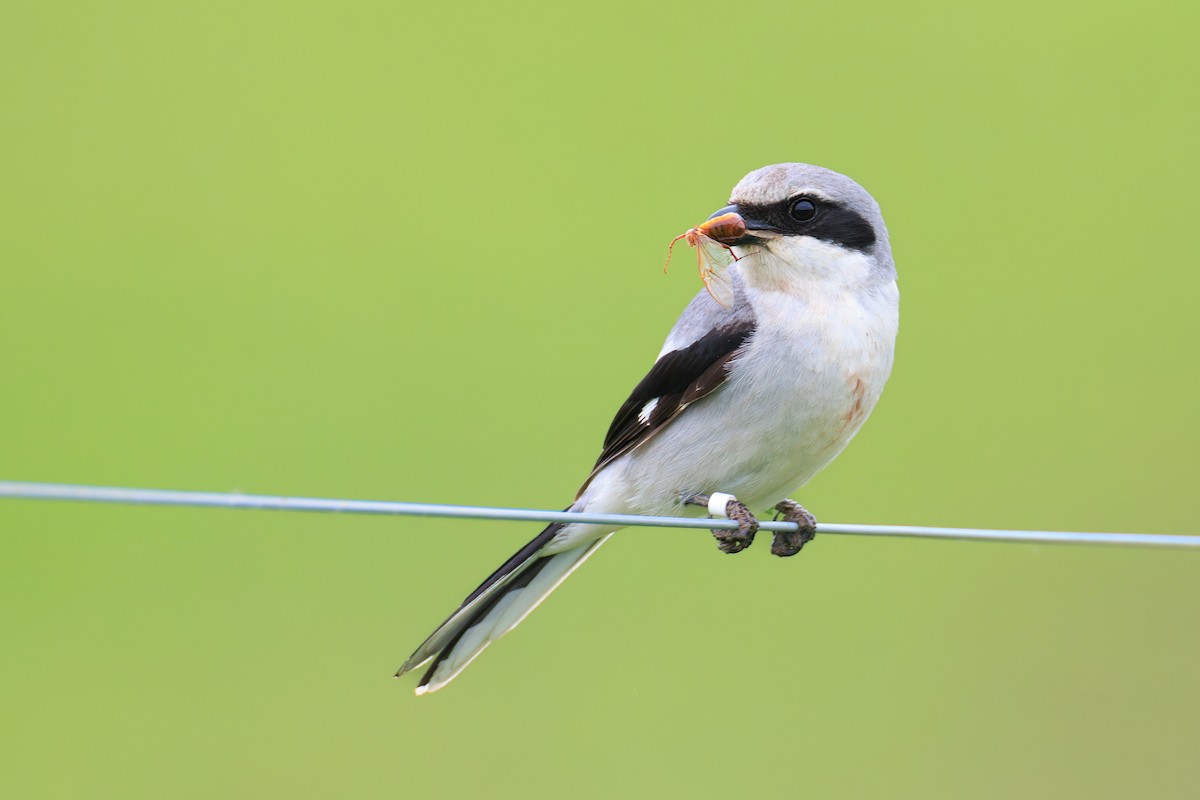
[389, 251]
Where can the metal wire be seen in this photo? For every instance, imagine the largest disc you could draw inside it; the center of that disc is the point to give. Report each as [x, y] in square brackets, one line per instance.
[165, 497]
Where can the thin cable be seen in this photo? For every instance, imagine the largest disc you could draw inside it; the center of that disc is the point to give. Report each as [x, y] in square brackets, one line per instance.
[165, 497]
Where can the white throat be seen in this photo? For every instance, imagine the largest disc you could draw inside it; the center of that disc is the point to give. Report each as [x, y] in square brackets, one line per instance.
[802, 264]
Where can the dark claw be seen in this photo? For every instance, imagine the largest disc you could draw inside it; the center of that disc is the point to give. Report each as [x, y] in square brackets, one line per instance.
[736, 541]
[789, 543]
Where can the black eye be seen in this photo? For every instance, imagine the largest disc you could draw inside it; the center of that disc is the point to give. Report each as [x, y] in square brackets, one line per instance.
[802, 209]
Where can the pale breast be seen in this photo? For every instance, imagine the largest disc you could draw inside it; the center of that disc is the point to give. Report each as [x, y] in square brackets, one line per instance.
[813, 378]
[807, 380]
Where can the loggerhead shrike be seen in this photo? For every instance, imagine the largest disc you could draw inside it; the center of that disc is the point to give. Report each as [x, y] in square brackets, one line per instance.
[743, 405]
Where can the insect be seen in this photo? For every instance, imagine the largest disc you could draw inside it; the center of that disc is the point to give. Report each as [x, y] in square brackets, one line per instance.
[713, 256]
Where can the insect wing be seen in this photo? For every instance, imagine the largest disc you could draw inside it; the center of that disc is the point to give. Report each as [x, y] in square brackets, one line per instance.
[714, 260]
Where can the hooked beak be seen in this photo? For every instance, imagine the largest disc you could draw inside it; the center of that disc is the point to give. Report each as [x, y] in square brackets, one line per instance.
[757, 231]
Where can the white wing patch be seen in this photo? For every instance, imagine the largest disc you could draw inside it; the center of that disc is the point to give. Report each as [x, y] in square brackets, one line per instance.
[647, 410]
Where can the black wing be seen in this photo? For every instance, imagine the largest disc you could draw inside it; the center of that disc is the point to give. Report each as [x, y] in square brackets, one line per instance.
[679, 378]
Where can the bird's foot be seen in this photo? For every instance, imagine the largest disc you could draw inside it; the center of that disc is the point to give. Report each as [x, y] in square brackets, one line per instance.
[729, 541]
[789, 543]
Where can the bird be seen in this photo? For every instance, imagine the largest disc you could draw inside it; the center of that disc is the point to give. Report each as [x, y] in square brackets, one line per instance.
[743, 405]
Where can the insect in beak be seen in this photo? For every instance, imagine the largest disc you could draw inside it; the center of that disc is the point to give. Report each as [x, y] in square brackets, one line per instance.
[714, 256]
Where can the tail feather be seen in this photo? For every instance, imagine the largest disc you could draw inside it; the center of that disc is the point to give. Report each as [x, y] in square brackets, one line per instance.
[505, 611]
[499, 604]
[457, 622]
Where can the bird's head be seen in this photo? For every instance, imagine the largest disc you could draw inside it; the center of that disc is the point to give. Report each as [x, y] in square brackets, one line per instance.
[806, 223]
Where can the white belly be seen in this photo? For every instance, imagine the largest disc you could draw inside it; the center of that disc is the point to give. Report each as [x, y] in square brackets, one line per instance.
[806, 382]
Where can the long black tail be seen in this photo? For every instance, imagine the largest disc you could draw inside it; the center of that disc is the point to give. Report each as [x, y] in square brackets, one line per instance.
[496, 607]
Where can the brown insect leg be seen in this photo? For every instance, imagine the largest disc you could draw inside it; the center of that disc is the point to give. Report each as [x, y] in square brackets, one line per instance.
[671, 247]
